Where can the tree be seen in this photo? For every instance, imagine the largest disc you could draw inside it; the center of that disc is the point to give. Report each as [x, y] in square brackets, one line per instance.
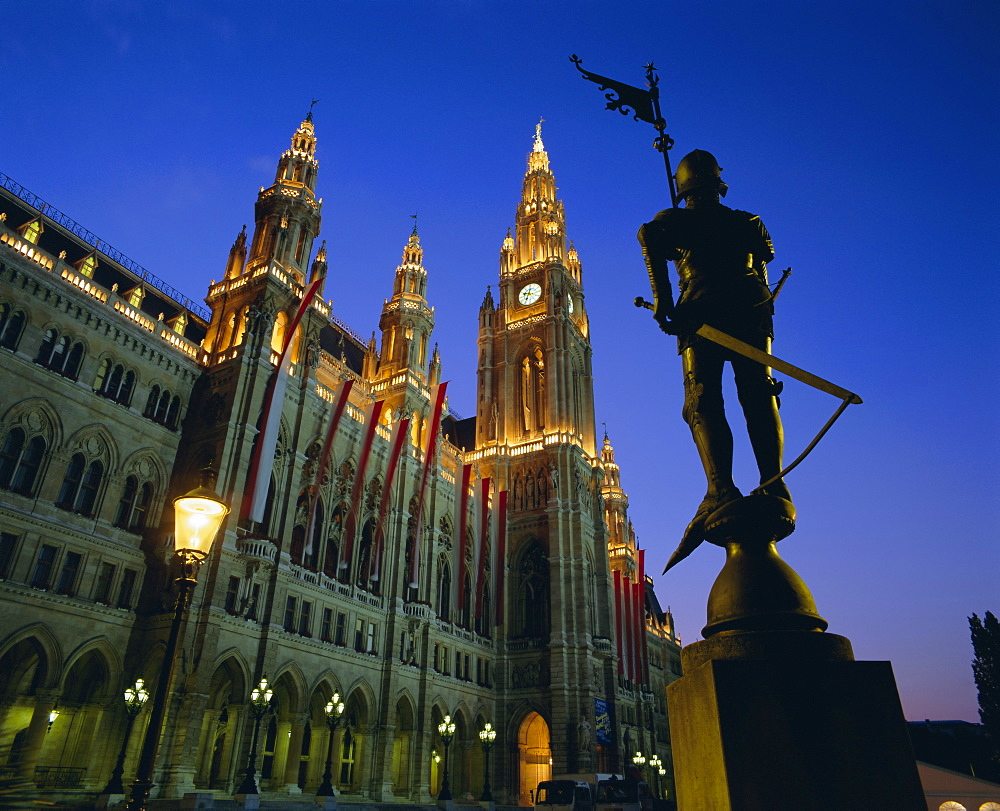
[986, 670]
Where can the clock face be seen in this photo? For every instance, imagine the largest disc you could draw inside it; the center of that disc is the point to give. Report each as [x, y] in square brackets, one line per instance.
[530, 293]
[569, 303]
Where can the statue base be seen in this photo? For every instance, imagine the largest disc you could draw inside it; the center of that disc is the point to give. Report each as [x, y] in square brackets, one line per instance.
[787, 719]
[772, 713]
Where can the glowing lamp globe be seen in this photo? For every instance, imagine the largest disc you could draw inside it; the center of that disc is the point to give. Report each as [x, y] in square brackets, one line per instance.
[197, 518]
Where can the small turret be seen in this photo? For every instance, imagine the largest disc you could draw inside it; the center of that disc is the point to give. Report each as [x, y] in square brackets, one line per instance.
[237, 255]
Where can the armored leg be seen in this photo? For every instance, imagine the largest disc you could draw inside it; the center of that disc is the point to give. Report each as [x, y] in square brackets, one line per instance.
[704, 412]
[757, 392]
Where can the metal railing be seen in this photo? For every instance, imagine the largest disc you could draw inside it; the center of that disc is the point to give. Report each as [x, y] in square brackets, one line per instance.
[92, 239]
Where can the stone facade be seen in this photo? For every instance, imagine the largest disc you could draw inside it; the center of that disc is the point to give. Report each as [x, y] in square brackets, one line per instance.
[117, 391]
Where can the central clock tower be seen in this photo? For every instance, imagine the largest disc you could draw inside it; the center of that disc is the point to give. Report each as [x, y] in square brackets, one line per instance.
[535, 436]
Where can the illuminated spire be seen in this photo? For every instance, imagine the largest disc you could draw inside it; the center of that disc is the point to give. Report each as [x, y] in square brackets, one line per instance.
[540, 231]
[407, 320]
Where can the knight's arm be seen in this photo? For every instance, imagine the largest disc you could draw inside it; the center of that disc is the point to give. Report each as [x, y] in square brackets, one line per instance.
[657, 254]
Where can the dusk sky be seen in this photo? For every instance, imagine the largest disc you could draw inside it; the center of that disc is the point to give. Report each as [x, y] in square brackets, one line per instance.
[864, 134]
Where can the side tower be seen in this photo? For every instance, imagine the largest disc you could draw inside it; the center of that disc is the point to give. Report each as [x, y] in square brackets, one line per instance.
[535, 435]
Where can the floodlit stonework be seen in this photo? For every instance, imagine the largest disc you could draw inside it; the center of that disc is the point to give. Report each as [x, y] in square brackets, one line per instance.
[116, 391]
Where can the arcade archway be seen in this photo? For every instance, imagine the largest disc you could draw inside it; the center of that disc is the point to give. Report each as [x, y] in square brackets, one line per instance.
[535, 756]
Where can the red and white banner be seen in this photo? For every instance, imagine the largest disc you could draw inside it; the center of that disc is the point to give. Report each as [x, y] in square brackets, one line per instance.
[262, 460]
[482, 539]
[372, 414]
[340, 399]
[437, 400]
[499, 551]
[641, 609]
[397, 439]
[461, 525]
[617, 615]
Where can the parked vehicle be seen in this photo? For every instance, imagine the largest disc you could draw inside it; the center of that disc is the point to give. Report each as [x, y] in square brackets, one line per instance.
[564, 795]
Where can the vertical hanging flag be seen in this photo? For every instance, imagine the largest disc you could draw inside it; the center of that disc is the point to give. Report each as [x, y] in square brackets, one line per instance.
[262, 459]
[499, 551]
[340, 399]
[396, 441]
[641, 607]
[437, 400]
[482, 539]
[461, 524]
[372, 414]
[628, 626]
[617, 615]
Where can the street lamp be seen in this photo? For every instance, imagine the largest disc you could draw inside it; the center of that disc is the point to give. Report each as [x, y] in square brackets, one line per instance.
[260, 703]
[333, 710]
[198, 516]
[53, 714]
[639, 759]
[487, 735]
[135, 697]
[656, 767]
[446, 729]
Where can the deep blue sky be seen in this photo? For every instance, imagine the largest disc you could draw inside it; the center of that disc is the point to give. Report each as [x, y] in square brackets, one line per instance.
[863, 133]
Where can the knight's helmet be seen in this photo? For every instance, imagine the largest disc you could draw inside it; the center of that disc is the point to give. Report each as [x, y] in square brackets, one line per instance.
[698, 170]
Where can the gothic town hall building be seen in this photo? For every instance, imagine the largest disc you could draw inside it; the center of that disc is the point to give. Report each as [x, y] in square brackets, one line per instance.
[116, 391]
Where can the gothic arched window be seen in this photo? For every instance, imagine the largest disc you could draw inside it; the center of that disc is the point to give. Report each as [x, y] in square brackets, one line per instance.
[134, 505]
[11, 326]
[532, 390]
[444, 589]
[20, 460]
[80, 485]
[532, 593]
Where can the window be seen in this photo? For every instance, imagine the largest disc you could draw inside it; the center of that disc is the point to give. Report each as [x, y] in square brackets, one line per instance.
[254, 602]
[114, 382]
[232, 595]
[19, 462]
[444, 589]
[30, 231]
[80, 485]
[162, 407]
[8, 546]
[135, 501]
[304, 617]
[125, 591]
[42, 572]
[60, 354]
[11, 326]
[325, 627]
[341, 632]
[359, 635]
[66, 584]
[102, 588]
[370, 641]
[290, 606]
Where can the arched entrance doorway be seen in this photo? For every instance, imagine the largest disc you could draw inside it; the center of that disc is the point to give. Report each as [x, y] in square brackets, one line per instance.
[535, 756]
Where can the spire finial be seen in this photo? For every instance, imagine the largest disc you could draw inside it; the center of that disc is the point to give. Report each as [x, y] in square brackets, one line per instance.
[539, 146]
[414, 225]
[309, 117]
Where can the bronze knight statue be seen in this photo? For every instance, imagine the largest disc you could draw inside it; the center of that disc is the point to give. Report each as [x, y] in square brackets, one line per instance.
[721, 255]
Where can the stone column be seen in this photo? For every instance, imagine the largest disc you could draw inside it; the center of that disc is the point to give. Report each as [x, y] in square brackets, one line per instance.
[45, 700]
[293, 755]
[381, 778]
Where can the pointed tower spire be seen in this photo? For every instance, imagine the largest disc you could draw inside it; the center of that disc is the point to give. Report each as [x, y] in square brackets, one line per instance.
[407, 320]
[621, 538]
[288, 212]
[237, 255]
[541, 221]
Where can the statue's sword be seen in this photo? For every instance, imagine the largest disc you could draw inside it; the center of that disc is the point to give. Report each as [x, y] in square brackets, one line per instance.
[767, 359]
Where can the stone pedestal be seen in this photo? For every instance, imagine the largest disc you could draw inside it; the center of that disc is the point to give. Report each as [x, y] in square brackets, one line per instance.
[788, 720]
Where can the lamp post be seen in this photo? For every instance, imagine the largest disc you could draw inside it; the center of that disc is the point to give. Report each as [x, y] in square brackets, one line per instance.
[446, 729]
[656, 768]
[198, 516]
[487, 735]
[53, 714]
[260, 703]
[333, 710]
[135, 697]
[639, 759]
